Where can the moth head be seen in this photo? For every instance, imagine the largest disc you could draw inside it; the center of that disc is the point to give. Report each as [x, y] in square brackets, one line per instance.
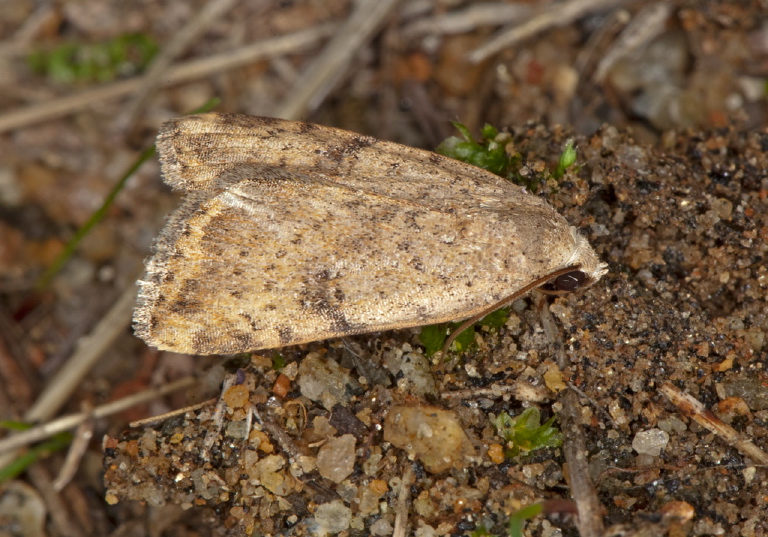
[582, 269]
[587, 268]
[566, 283]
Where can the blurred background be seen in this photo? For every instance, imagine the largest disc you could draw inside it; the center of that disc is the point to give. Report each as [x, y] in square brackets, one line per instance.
[85, 84]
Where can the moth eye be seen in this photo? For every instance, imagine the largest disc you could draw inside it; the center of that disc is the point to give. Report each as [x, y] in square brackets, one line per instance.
[570, 281]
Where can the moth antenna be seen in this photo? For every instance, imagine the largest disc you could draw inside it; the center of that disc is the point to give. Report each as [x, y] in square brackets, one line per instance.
[508, 300]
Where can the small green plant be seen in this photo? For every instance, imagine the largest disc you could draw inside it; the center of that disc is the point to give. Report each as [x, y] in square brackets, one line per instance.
[516, 522]
[433, 336]
[490, 153]
[525, 433]
[480, 531]
[566, 160]
[71, 63]
[57, 442]
[519, 517]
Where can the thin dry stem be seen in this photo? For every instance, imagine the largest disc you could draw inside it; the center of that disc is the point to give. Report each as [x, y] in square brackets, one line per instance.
[193, 70]
[45, 430]
[590, 520]
[316, 82]
[209, 14]
[554, 15]
[693, 408]
[77, 450]
[644, 27]
[468, 19]
[403, 502]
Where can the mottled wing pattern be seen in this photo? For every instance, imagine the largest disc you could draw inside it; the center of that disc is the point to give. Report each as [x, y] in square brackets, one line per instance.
[286, 238]
[197, 151]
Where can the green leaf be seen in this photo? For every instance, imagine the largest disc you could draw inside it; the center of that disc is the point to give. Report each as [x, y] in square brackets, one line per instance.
[463, 130]
[567, 159]
[13, 425]
[489, 132]
[433, 338]
[518, 518]
[60, 65]
[464, 340]
[22, 462]
[487, 154]
[480, 531]
[525, 433]
[71, 63]
[495, 319]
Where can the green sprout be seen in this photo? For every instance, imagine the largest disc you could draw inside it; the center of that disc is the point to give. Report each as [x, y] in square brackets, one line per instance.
[71, 63]
[516, 522]
[489, 154]
[492, 153]
[35, 453]
[567, 159]
[278, 362]
[481, 531]
[525, 433]
[518, 518]
[433, 336]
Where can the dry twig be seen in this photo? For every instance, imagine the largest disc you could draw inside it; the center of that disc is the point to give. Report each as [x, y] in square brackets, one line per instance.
[468, 19]
[45, 430]
[76, 451]
[645, 26]
[319, 78]
[555, 14]
[403, 501]
[209, 14]
[193, 70]
[693, 408]
[590, 520]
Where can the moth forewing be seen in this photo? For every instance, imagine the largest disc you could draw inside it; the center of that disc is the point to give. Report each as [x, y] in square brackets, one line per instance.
[308, 235]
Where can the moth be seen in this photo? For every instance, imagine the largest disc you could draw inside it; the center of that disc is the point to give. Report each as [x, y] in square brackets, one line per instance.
[292, 232]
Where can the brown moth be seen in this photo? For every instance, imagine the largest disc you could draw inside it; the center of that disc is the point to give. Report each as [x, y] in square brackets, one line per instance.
[292, 232]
